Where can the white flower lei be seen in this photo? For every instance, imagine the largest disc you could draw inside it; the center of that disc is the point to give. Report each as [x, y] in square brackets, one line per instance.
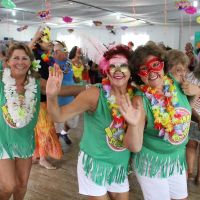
[20, 113]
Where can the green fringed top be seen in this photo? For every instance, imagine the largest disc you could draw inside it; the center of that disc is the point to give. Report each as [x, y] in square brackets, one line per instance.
[160, 157]
[17, 142]
[102, 161]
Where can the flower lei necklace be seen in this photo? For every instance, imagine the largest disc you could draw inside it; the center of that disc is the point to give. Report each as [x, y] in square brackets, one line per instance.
[19, 109]
[118, 126]
[166, 119]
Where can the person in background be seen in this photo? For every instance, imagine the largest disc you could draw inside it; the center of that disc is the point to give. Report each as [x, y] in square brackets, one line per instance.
[160, 166]
[3, 49]
[130, 45]
[103, 160]
[75, 56]
[60, 54]
[189, 51]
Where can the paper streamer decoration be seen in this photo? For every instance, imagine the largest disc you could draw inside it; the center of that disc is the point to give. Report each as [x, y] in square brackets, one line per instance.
[198, 19]
[191, 10]
[67, 19]
[8, 4]
[97, 23]
[22, 28]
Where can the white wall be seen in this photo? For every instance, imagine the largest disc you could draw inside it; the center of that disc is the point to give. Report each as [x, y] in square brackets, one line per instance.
[10, 30]
[173, 36]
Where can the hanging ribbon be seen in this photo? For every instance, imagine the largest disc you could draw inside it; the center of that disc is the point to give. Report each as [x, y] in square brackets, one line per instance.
[8, 4]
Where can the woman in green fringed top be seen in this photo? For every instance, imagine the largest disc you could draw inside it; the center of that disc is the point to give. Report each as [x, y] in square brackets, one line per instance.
[19, 103]
[160, 166]
[103, 160]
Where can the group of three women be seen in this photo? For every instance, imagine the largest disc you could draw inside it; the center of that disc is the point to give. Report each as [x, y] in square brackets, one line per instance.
[151, 120]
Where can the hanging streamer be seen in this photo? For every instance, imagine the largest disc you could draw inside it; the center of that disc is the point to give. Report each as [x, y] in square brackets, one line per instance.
[165, 16]
[8, 4]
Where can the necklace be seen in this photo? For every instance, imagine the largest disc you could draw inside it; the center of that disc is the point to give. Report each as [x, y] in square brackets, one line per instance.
[115, 132]
[19, 109]
[167, 119]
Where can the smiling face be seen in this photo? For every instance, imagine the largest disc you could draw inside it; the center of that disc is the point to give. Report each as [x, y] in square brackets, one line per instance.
[151, 72]
[19, 63]
[179, 72]
[119, 72]
[60, 52]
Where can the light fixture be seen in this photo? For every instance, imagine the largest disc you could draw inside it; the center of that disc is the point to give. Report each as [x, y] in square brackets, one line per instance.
[51, 24]
[118, 16]
[13, 12]
[15, 21]
[195, 4]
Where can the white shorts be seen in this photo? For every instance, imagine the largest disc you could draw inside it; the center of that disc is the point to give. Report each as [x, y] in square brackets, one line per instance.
[71, 123]
[173, 187]
[89, 188]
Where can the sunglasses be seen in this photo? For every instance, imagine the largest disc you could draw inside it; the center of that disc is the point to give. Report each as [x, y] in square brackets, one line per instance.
[123, 68]
[153, 65]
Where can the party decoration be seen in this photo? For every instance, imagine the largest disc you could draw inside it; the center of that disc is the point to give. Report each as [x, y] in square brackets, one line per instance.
[44, 14]
[124, 28]
[70, 30]
[191, 10]
[198, 19]
[116, 131]
[182, 4]
[109, 27]
[22, 28]
[168, 118]
[67, 19]
[8, 4]
[46, 35]
[97, 23]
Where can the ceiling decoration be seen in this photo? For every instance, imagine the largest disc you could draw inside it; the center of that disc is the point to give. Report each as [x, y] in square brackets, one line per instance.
[85, 13]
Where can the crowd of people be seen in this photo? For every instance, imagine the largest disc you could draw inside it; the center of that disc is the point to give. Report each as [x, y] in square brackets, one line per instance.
[151, 126]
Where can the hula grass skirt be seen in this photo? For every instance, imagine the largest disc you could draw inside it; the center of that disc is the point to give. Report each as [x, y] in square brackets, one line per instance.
[47, 142]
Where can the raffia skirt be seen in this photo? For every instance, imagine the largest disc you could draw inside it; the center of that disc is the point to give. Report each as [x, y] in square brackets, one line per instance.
[47, 142]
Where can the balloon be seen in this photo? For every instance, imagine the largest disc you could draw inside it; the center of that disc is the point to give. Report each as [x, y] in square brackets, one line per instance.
[8, 4]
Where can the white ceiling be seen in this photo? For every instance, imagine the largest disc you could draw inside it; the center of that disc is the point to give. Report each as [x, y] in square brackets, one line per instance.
[83, 12]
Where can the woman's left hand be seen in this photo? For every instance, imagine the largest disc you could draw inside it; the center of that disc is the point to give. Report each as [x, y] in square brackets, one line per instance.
[131, 113]
[54, 81]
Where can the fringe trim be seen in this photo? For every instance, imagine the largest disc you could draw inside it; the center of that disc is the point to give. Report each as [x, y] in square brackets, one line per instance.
[16, 151]
[151, 164]
[102, 173]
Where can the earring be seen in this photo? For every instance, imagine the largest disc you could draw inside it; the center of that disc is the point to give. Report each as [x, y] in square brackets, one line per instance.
[29, 72]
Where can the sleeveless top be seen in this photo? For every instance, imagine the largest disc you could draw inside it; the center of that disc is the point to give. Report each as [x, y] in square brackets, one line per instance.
[159, 157]
[102, 162]
[78, 71]
[17, 142]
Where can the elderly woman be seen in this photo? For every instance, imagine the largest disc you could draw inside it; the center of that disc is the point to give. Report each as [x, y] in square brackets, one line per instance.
[103, 160]
[160, 166]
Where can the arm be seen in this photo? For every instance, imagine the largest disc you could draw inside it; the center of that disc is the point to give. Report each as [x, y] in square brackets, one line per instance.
[190, 89]
[36, 37]
[86, 101]
[69, 90]
[133, 113]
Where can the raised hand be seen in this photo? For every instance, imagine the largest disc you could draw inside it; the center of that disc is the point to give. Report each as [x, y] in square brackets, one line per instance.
[131, 112]
[190, 89]
[54, 81]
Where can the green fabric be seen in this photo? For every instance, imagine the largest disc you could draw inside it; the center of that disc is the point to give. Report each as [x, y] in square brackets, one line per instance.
[159, 157]
[18, 142]
[101, 163]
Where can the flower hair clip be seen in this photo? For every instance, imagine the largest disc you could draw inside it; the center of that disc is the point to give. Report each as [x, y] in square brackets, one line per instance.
[36, 65]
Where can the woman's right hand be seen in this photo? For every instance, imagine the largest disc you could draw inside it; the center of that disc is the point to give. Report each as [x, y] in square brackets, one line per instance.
[54, 81]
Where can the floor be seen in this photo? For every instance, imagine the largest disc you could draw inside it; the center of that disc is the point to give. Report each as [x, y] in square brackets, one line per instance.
[61, 184]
